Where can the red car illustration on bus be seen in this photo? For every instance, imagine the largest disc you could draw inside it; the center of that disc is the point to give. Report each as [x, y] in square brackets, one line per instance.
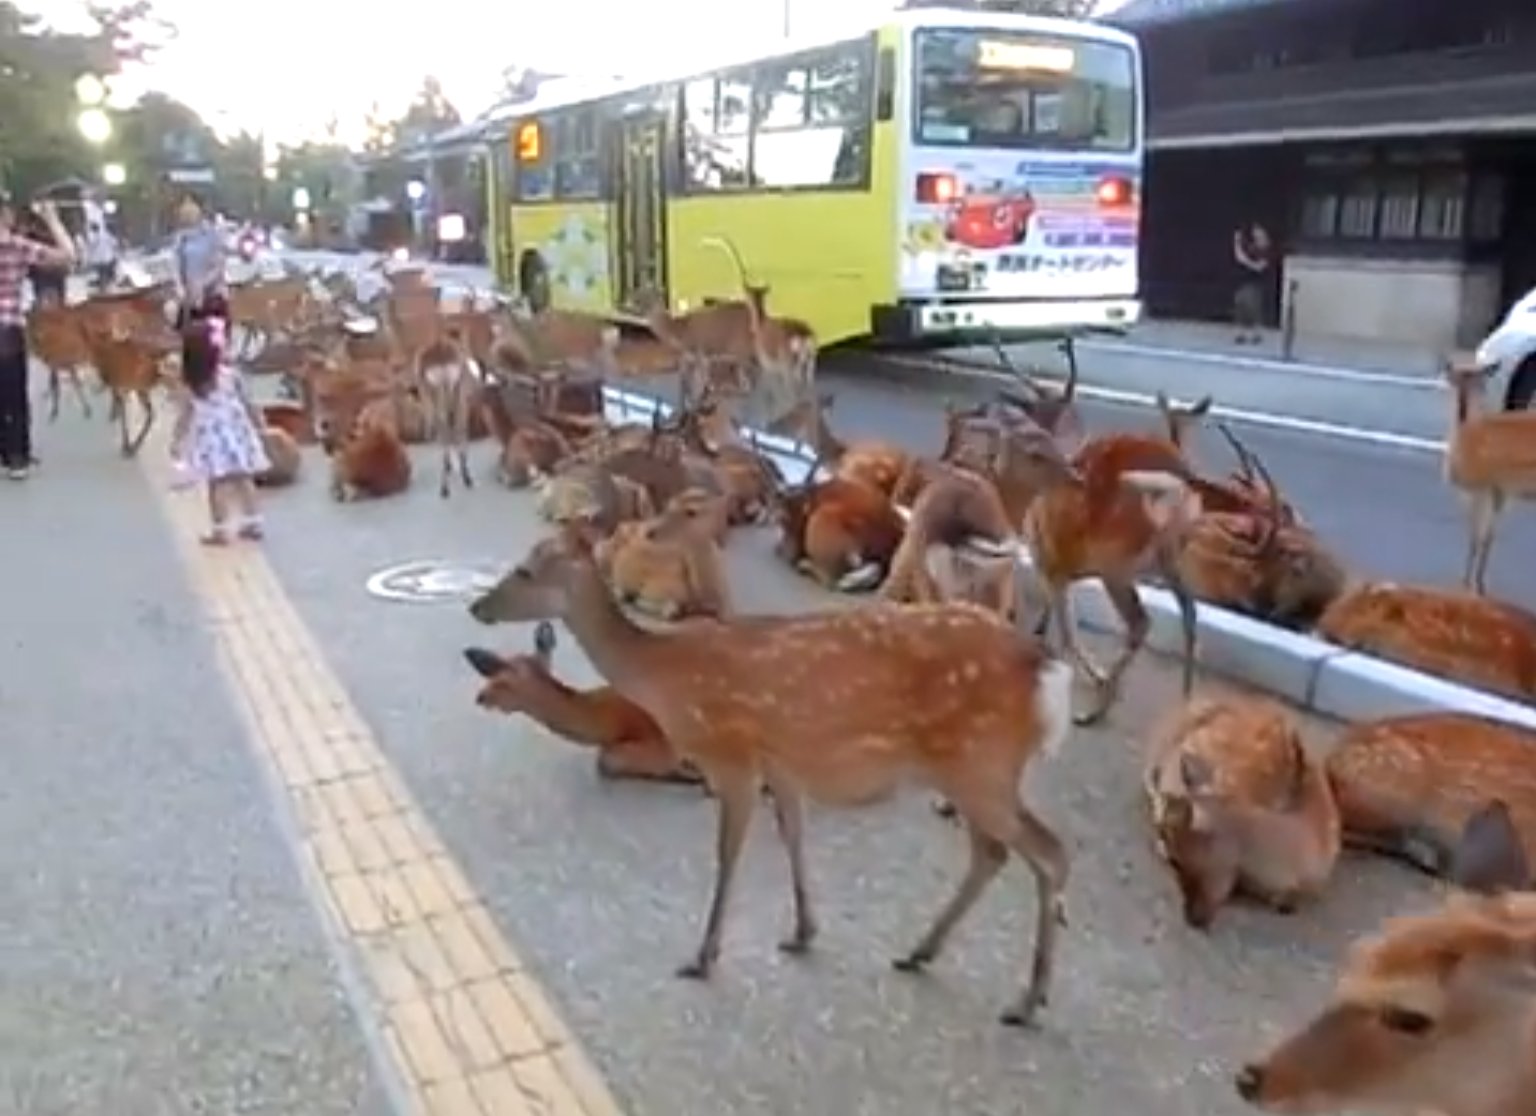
[990, 220]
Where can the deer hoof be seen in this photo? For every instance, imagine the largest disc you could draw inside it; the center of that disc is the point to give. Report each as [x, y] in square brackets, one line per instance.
[1025, 1014]
[697, 969]
[799, 943]
[914, 962]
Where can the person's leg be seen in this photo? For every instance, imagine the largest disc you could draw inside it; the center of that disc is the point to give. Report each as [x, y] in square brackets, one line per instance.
[15, 403]
[244, 492]
[218, 510]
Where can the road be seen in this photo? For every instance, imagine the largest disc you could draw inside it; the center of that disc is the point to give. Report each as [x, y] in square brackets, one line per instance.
[163, 952]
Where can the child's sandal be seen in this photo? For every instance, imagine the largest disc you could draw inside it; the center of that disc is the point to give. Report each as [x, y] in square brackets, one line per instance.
[214, 538]
[252, 531]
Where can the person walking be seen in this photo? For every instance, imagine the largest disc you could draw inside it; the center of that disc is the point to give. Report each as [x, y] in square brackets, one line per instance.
[20, 255]
[200, 265]
[100, 252]
[1254, 255]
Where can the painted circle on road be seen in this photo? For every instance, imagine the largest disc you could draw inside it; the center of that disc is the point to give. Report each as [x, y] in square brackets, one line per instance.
[433, 581]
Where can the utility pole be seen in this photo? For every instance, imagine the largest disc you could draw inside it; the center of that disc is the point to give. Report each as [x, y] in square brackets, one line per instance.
[787, 5]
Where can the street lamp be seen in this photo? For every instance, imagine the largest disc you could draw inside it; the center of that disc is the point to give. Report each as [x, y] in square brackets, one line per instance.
[90, 91]
[416, 189]
[94, 125]
[301, 198]
[114, 174]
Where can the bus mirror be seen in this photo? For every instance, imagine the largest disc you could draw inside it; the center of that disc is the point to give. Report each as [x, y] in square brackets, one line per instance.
[885, 84]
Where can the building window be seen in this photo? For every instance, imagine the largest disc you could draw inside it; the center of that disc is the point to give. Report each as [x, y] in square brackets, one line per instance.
[1357, 211]
[1443, 215]
[1320, 214]
[1400, 207]
[798, 122]
[1487, 222]
[577, 155]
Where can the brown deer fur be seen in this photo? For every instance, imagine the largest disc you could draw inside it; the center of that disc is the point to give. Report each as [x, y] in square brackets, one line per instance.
[840, 706]
[1453, 634]
[670, 565]
[284, 454]
[1407, 786]
[1239, 804]
[629, 743]
[951, 512]
[1490, 459]
[1435, 1013]
[369, 462]
[839, 531]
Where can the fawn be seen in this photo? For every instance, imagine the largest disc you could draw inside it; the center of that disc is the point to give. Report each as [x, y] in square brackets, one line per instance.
[1407, 785]
[1435, 1013]
[1239, 804]
[840, 706]
[1490, 459]
[629, 743]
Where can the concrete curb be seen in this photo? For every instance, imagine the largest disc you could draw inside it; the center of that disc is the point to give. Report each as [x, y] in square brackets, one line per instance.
[1308, 672]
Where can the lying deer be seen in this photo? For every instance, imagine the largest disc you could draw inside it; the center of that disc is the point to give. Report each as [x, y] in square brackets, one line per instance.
[669, 566]
[1434, 1014]
[1452, 634]
[1240, 805]
[840, 706]
[1490, 459]
[1406, 786]
[629, 744]
[841, 532]
[368, 459]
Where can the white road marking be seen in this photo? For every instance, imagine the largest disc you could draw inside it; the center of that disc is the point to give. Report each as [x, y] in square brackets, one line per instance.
[1272, 364]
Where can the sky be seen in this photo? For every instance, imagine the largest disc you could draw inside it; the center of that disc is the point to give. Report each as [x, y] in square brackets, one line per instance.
[286, 66]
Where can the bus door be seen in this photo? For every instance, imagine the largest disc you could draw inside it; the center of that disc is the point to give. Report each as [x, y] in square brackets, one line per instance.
[640, 207]
[499, 205]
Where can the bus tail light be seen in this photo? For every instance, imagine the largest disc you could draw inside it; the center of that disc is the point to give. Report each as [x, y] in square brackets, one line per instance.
[1114, 191]
[936, 189]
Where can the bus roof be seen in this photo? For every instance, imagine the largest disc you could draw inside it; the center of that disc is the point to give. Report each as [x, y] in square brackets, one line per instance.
[574, 91]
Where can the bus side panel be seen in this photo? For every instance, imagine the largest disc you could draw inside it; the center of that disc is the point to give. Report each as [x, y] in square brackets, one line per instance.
[571, 238]
[827, 256]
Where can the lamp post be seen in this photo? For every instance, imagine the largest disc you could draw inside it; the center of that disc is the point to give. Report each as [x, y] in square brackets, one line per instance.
[114, 175]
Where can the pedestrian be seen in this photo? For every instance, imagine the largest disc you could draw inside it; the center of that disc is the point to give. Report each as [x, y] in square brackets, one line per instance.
[200, 264]
[101, 253]
[19, 255]
[217, 440]
[1253, 253]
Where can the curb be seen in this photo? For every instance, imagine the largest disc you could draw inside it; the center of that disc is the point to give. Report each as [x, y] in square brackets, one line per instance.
[1311, 673]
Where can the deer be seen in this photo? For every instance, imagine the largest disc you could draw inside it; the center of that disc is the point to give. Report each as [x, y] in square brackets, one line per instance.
[841, 532]
[783, 349]
[629, 743]
[285, 456]
[130, 362]
[449, 385]
[1239, 805]
[1407, 786]
[1436, 1012]
[839, 706]
[56, 334]
[670, 565]
[958, 545]
[368, 459]
[869, 461]
[1490, 458]
[1457, 635]
[750, 478]
[1134, 503]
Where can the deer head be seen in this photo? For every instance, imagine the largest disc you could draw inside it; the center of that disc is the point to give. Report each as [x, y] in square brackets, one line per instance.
[1181, 417]
[1435, 1013]
[555, 576]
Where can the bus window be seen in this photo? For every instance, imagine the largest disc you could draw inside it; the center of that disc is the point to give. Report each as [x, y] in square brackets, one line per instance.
[533, 178]
[717, 139]
[829, 145]
[995, 88]
[578, 166]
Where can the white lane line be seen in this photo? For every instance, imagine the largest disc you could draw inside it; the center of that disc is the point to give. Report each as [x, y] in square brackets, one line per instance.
[1290, 423]
[1268, 364]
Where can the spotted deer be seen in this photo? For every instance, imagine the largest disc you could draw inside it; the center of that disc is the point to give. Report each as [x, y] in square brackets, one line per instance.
[840, 706]
[1435, 1013]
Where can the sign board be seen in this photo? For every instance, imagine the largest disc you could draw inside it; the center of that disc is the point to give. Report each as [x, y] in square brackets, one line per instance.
[186, 175]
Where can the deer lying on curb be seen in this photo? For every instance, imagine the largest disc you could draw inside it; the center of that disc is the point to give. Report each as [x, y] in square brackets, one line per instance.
[629, 744]
[1456, 635]
[840, 706]
[670, 566]
[1490, 459]
[1239, 804]
[841, 532]
[1406, 786]
[1436, 1013]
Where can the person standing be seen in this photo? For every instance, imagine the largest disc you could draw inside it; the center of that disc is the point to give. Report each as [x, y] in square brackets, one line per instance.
[20, 255]
[1254, 255]
[100, 251]
[200, 264]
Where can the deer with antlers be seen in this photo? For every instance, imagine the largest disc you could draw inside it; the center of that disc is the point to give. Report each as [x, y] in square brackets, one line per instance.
[1436, 1013]
[839, 706]
[1490, 459]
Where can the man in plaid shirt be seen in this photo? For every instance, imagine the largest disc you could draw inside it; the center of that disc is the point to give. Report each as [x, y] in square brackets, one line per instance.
[18, 254]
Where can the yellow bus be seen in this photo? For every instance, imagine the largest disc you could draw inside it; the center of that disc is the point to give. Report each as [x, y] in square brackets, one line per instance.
[942, 175]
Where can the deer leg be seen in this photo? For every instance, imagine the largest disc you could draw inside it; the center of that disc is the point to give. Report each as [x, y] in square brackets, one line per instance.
[122, 425]
[148, 407]
[789, 816]
[736, 793]
[988, 855]
[1485, 524]
[53, 394]
[1168, 566]
[79, 387]
[1042, 850]
[447, 469]
[1064, 612]
[1127, 603]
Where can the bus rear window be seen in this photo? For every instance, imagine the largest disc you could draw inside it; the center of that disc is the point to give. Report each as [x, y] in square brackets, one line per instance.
[1010, 89]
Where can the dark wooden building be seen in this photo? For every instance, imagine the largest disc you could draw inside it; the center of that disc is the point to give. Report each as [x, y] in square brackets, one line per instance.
[1388, 145]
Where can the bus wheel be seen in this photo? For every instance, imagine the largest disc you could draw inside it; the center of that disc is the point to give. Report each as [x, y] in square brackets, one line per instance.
[1522, 386]
[533, 281]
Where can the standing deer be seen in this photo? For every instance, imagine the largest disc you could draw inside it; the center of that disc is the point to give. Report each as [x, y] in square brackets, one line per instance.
[450, 386]
[1435, 1014]
[840, 706]
[1490, 459]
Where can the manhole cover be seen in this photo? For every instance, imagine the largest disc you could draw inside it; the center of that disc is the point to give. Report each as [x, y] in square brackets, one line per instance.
[434, 581]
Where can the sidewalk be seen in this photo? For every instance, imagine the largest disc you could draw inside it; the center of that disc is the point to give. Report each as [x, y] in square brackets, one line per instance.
[1218, 341]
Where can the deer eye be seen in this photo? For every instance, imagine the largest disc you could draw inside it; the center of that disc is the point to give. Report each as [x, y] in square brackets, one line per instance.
[522, 573]
[1405, 1022]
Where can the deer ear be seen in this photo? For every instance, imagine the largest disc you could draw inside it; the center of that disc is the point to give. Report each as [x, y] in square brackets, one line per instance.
[1490, 856]
[487, 664]
[1162, 401]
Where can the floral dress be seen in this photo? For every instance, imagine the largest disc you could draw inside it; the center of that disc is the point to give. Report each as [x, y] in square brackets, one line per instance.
[222, 441]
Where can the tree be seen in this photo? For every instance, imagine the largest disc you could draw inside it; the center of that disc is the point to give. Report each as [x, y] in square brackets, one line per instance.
[429, 112]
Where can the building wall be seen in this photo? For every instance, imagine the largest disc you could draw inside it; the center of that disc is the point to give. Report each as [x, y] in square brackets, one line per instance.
[1440, 305]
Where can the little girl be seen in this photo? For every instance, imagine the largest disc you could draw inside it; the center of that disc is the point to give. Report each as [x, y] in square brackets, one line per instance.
[217, 437]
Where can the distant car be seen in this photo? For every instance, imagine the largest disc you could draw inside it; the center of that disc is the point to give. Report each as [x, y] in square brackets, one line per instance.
[1509, 355]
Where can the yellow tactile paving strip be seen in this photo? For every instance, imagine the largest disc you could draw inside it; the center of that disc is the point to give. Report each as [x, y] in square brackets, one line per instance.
[470, 1030]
